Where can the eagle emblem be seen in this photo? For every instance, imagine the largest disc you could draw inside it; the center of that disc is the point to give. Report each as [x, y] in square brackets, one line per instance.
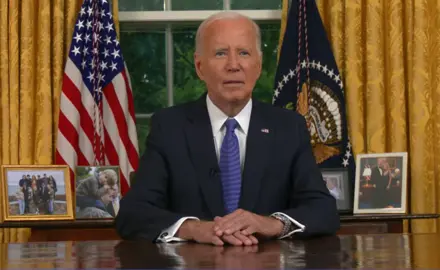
[322, 112]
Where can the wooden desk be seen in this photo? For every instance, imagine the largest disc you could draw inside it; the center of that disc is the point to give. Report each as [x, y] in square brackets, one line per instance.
[392, 251]
[82, 230]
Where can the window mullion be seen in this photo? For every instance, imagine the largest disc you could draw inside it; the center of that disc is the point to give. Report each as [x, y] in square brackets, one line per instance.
[169, 51]
[227, 4]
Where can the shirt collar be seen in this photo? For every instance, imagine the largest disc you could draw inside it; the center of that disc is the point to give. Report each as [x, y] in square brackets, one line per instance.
[218, 117]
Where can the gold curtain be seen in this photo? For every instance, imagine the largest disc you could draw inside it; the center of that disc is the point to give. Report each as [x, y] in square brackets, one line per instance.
[34, 41]
[388, 52]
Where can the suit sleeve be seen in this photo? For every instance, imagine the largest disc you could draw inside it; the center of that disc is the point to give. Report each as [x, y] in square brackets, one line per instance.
[143, 210]
[311, 203]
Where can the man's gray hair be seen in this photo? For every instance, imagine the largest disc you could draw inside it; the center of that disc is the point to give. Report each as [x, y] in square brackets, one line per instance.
[224, 15]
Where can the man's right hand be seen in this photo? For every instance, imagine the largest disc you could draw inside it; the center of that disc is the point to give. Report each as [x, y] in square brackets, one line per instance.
[203, 232]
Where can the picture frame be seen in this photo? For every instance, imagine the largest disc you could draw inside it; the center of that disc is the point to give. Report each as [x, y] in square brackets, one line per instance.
[340, 187]
[97, 192]
[36, 193]
[381, 183]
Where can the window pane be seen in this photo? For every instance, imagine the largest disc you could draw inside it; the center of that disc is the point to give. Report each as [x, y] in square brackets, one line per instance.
[141, 5]
[196, 4]
[187, 85]
[144, 54]
[142, 127]
[256, 4]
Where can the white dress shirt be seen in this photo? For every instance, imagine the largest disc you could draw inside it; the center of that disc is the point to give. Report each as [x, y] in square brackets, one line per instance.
[218, 118]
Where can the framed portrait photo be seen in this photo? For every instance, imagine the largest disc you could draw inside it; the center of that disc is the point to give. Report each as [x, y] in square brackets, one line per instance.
[381, 183]
[339, 186]
[97, 192]
[36, 192]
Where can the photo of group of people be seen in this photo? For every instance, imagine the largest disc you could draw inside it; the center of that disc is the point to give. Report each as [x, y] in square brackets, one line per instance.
[381, 183]
[36, 192]
[97, 192]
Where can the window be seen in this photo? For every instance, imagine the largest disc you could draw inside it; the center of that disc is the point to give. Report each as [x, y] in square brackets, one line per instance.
[157, 40]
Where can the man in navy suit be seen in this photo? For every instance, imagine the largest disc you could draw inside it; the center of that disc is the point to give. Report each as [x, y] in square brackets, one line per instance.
[227, 168]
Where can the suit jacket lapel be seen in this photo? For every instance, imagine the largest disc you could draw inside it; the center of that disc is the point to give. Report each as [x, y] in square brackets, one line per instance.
[259, 142]
[202, 149]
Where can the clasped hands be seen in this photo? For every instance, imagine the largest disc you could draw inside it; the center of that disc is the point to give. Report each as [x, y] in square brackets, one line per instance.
[238, 228]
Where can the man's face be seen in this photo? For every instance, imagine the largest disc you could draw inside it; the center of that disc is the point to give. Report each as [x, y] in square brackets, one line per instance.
[383, 163]
[102, 178]
[106, 198]
[229, 62]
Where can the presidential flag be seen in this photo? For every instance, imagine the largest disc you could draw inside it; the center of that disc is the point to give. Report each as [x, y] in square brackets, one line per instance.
[308, 81]
[96, 120]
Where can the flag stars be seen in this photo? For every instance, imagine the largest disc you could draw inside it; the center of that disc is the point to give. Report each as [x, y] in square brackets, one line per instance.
[113, 66]
[82, 12]
[85, 51]
[318, 66]
[285, 78]
[77, 37]
[98, 90]
[100, 77]
[331, 73]
[116, 42]
[90, 11]
[100, 26]
[280, 85]
[91, 76]
[87, 38]
[83, 64]
[345, 162]
[115, 54]
[75, 50]
[102, 14]
[291, 73]
[303, 64]
[89, 25]
[103, 65]
[109, 27]
[109, 14]
[108, 40]
[105, 53]
[96, 37]
[80, 24]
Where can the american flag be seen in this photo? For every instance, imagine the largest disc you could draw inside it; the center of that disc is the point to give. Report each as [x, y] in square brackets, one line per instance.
[96, 120]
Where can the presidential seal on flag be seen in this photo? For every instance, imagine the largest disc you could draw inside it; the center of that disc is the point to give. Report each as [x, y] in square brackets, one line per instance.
[309, 82]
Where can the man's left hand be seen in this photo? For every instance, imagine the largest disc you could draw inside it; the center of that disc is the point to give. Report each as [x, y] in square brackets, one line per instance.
[247, 223]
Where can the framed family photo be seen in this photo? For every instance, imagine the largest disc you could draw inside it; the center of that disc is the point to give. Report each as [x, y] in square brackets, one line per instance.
[36, 192]
[339, 186]
[381, 183]
[97, 192]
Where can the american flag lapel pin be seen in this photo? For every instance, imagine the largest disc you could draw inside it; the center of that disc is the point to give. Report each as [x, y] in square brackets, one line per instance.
[265, 130]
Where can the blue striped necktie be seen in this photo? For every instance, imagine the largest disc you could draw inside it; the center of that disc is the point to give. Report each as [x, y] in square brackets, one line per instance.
[230, 169]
